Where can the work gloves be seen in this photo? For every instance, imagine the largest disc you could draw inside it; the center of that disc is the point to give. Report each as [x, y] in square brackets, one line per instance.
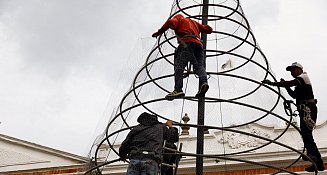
[155, 34]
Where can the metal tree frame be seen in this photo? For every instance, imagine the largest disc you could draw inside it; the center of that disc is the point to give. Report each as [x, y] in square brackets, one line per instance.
[138, 102]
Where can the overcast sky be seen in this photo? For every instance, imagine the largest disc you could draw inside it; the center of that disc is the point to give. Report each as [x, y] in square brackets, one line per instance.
[60, 60]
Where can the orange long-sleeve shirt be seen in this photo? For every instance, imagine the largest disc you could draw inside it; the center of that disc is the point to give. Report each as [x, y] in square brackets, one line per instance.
[185, 27]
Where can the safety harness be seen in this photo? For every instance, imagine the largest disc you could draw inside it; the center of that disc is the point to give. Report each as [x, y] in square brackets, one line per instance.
[187, 52]
[190, 35]
[304, 106]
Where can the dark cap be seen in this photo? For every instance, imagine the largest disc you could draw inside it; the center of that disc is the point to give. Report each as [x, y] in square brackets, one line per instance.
[294, 65]
[147, 119]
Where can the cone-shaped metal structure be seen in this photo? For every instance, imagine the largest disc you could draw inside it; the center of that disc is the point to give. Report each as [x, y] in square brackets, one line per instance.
[235, 65]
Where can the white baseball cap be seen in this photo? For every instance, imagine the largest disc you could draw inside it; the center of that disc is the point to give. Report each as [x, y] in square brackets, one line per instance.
[294, 65]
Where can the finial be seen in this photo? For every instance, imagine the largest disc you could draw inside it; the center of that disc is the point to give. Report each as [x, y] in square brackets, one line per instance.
[185, 129]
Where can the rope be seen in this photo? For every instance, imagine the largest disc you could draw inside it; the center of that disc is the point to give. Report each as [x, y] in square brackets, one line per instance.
[219, 96]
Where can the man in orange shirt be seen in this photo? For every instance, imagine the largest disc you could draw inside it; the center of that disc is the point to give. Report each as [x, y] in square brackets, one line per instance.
[190, 49]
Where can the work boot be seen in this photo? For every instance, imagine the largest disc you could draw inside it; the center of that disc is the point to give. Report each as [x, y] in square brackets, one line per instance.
[174, 94]
[202, 91]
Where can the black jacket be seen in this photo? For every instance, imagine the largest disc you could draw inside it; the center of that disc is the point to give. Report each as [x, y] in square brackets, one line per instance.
[149, 135]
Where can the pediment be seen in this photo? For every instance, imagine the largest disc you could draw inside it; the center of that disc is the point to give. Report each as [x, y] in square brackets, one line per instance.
[20, 155]
[12, 158]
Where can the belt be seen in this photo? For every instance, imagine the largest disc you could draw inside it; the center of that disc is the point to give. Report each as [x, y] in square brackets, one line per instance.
[136, 154]
[181, 39]
[308, 102]
[142, 152]
[188, 36]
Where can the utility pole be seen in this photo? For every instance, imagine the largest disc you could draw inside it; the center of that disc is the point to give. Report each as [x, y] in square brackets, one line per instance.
[201, 102]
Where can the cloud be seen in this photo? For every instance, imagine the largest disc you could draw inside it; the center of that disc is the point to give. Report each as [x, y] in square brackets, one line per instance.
[264, 10]
[295, 33]
[62, 60]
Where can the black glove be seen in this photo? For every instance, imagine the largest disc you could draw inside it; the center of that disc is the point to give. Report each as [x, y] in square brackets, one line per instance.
[268, 82]
[155, 34]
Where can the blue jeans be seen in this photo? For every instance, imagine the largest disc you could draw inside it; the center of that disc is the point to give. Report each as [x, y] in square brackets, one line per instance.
[143, 166]
[189, 52]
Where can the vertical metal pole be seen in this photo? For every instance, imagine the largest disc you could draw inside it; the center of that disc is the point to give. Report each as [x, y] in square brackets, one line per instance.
[201, 102]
